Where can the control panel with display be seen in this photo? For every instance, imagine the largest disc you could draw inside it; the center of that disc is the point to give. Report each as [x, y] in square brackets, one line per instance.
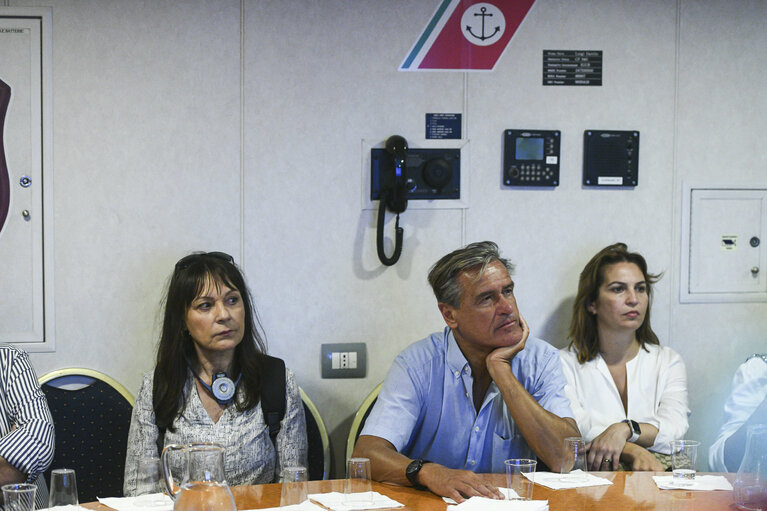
[531, 158]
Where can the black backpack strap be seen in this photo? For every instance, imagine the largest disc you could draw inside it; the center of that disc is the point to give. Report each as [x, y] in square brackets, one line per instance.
[273, 394]
[161, 441]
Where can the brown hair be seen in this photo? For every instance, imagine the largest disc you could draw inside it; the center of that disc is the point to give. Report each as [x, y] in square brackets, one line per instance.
[584, 336]
[443, 276]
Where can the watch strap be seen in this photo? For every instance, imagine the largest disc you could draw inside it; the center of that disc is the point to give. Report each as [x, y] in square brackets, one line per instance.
[412, 470]
[636, 431]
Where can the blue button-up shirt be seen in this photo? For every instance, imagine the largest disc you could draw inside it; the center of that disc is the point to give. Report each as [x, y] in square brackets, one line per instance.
[426, 407]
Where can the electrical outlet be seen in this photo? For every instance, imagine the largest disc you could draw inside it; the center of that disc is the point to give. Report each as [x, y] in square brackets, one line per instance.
[343, 360]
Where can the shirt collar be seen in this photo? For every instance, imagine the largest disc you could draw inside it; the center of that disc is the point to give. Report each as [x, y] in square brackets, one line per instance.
[456, 361]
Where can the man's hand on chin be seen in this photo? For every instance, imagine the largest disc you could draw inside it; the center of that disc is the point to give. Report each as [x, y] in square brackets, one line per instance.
[502, 356]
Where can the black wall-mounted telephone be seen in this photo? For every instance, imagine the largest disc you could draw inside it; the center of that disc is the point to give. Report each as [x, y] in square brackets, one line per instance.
[393, 196]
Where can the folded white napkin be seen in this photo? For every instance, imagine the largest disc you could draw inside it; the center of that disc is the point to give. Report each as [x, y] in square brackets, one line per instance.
[152, 502]
[699, 483]
[486, 504]
[69, 507]
[337, 501]
[303, 506]
[507, 492]
[563, 482]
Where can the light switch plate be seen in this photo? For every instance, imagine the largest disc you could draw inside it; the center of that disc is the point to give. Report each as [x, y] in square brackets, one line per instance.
[344, 360]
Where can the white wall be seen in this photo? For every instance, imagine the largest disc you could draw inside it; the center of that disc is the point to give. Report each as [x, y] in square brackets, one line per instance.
[221, 125]
[720, 121]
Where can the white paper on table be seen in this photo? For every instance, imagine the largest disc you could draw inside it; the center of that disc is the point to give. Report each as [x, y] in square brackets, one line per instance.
[337, 501]
[68, 507]
[303, 506]
[708, 482]
[507, 492]
[151, 502]
[487, 504]
[561, 482]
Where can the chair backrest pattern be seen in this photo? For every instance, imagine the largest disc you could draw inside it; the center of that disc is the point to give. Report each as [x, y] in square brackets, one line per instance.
[91, 436]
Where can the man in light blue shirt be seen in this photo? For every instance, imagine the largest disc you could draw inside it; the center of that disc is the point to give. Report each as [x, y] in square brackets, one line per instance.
[462, 401]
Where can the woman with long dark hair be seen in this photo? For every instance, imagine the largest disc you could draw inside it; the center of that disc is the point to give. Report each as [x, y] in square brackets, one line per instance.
[207, 382]
[628, 393]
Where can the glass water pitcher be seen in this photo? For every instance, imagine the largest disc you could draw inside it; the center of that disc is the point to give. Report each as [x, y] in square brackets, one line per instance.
[203, 485]
[751, 481]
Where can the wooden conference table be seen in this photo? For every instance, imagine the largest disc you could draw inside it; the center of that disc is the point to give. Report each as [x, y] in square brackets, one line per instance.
[630, 490]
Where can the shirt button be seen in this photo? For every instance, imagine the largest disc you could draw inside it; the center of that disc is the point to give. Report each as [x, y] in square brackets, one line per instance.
[472, 462]
[457, 374]
[476, 428]
[467, 394]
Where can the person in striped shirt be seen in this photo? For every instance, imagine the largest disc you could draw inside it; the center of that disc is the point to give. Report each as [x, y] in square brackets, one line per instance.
[26, 426]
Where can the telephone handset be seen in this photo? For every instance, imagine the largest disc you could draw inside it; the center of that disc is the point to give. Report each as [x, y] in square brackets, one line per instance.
[393, 196]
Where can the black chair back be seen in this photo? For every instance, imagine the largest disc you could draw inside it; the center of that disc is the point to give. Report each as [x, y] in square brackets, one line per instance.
[91, 436]
[315, 458]
[318, 458]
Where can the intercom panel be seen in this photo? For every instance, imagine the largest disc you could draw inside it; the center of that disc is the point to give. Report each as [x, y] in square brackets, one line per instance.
[430, 173]
[531, 158]
[610, 158]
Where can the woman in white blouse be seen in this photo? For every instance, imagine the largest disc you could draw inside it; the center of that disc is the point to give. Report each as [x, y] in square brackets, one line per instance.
[628, 393]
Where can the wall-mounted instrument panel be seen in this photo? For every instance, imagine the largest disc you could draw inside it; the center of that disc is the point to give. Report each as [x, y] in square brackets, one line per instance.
[610, 158]
[531, 158]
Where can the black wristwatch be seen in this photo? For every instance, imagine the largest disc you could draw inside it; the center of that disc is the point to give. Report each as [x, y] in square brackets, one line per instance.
[635, 431]
[412, 470]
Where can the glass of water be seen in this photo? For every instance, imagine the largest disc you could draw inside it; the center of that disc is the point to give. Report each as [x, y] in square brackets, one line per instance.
[63, 491]
[574, 466]
[683, 456]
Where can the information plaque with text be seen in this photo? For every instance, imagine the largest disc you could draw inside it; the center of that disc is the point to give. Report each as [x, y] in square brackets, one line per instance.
[572, 67]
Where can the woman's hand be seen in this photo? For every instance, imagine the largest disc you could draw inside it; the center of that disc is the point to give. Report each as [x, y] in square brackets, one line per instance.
[605, 450]
[638, 458]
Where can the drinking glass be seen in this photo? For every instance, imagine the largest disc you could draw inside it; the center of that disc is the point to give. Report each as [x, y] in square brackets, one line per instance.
[293, 485]
[149, 483]
[63, 490]
[19, 497]
[358, 490]
[517, 481]
[574, 466]
[683, 456]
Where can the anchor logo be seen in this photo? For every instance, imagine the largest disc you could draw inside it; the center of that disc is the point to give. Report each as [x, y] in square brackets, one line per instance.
[484, 24]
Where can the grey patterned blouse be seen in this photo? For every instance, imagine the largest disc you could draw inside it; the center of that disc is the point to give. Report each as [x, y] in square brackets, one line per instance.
[250, 457]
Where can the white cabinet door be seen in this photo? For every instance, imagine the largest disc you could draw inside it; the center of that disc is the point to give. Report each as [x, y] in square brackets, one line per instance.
[726, 255]
[26, 285]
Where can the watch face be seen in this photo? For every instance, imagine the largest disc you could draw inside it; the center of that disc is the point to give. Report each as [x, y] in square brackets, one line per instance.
[414, 467]
[411, 472]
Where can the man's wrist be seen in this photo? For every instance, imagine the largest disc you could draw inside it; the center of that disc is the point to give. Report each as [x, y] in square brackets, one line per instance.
[413, 470]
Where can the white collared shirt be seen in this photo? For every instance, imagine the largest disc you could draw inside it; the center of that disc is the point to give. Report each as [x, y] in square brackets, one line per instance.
[749, 389]
[656, 382]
